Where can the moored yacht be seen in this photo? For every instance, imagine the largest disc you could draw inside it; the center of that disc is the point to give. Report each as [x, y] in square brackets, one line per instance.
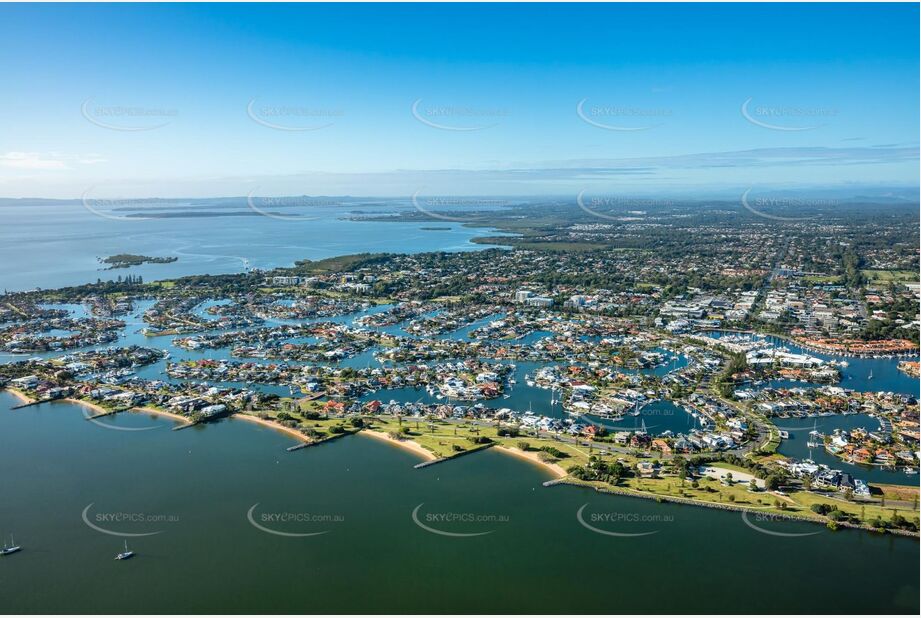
[125, 554]
[12, 548]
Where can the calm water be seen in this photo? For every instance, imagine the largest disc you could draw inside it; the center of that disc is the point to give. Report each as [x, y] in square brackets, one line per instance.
[799, 429]
[861, 374]
[63, 242]
[196, 486]
[658, 416]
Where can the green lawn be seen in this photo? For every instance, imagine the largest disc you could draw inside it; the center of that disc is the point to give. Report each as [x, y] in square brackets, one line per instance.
[440, 438]
[822, 279]
[887, 276]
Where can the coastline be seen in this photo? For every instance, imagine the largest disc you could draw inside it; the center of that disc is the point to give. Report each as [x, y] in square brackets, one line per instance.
[559, 474]
[408, 445]
[154, 411]
[294, 433]
[99, 410]
[722, 506]
[18, 394]
[553, 468]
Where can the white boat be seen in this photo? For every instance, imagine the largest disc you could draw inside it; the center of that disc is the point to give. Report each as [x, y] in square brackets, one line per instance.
[910, 470]
[816, 439]
[12, 548]
[125, 554]
[784, 434]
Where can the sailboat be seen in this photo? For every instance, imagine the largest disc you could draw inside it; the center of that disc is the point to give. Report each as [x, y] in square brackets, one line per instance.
[814, 435]
[636, 409]
[642, 430]
[870, 377]
[12, 548]
[125, 554]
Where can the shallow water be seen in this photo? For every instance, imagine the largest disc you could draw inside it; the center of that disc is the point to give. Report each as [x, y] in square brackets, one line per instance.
[64, 242]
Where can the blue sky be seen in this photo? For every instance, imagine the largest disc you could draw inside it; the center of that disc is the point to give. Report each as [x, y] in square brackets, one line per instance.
[201, 100]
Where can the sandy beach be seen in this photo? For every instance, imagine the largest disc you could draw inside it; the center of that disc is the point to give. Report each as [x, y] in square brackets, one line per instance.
[294, 433]
[26, 399]
[19, 395]
[556, 469]
[92, 406]
[170, 415]
[409, 445]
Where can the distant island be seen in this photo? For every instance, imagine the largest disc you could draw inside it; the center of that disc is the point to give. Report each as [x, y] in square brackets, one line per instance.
[126, 260]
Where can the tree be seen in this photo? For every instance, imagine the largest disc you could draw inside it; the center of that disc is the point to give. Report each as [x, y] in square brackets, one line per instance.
[821, 508]
[773, 482]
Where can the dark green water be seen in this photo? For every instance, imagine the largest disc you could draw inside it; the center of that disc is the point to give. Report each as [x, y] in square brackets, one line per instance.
[196, 487]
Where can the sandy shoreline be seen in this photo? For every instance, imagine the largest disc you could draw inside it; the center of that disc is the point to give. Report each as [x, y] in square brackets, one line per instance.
[409, 445]
[555, 469]
[19, 395]
[294, 433]
[155, 412]
[99, 409]
[91, 406]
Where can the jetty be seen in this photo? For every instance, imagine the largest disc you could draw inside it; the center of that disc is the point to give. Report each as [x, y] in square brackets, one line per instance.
[432, 462]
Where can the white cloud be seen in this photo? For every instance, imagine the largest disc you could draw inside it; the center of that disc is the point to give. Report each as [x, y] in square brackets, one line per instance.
[30, 161]
[19, 160]
[91, 159]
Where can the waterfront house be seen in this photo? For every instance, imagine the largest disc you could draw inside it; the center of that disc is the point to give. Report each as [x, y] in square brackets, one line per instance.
[662, 446]
[30, 381]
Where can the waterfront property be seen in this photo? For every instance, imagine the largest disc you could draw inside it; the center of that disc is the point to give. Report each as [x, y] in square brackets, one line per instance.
[217, 474]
